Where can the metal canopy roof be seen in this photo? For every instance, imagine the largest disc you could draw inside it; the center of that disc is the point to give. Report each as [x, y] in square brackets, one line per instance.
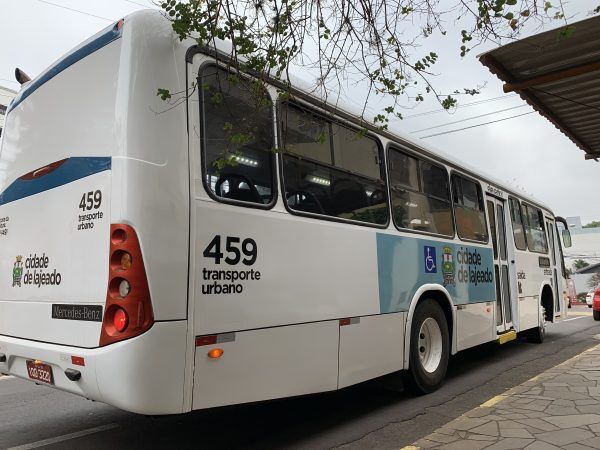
[558, 77]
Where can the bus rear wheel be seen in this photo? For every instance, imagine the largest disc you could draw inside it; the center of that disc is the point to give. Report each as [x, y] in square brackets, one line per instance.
[429, 348]
[596, 315]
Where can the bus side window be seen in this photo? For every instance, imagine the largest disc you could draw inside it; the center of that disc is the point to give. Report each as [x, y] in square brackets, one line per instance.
[330, 169]
[237, 137]
[420, 194]
[516, 217]
[468, 209]
[534, 229]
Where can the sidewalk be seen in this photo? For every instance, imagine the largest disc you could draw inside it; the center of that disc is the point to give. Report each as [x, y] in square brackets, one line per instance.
[558, 409]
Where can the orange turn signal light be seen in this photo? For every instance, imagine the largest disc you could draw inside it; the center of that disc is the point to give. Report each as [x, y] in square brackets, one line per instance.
[125, 261]
[215, 353]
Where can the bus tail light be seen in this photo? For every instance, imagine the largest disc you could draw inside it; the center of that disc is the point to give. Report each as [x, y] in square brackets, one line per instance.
[215, 353]
[120, 320]
[128, 310]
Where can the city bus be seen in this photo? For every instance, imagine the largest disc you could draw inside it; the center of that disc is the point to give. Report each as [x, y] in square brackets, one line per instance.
[239, 245]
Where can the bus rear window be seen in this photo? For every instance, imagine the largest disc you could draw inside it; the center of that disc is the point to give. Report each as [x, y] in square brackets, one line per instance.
[237, 137]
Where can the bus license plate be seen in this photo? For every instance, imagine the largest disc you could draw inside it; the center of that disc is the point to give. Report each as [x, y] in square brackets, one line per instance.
[39, 371]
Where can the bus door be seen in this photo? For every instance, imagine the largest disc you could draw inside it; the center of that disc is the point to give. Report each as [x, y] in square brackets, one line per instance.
[556, 284]
[504, 311]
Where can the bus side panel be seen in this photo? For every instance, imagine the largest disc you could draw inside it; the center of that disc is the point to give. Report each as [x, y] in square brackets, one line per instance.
[530, 277]
[370, 347]
[257, 269]
[266, 364]
[475, 324]
[529, 312]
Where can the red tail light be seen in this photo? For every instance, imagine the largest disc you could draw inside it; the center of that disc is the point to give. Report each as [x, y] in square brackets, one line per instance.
[120, 320]
[128, 310]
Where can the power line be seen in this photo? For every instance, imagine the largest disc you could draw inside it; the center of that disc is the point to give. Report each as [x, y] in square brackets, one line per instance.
[468, 118]
[140, 4]
[474, 126]
[75, 10]
[567, 99]
[464, 105]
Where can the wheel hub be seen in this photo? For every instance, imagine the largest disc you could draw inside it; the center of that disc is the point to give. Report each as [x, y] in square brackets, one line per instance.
[430, 345]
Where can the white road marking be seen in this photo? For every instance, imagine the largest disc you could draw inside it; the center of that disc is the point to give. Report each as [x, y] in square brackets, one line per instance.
[5, 377]
[65, 437]
[574, 318]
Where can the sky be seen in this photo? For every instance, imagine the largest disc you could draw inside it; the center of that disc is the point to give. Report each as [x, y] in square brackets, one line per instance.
[527, 152]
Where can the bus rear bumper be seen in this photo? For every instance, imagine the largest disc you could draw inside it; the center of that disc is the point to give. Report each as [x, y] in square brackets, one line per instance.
[144, 374]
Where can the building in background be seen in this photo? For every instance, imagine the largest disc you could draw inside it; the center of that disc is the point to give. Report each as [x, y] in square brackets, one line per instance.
[582, 277]
[586, 246]
[6, 96]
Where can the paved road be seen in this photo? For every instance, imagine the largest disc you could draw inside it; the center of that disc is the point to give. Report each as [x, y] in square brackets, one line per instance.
[363, 416]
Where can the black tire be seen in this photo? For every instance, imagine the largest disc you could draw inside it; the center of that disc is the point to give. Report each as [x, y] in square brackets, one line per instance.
[418, 379]
[596, 315]
[537, 335]
[589, 306]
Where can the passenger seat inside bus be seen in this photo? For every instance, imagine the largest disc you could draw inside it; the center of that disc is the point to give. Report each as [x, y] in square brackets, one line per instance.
[239, 187]
[348, 196]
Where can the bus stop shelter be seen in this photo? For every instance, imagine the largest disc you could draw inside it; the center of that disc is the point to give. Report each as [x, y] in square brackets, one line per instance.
[557, 72]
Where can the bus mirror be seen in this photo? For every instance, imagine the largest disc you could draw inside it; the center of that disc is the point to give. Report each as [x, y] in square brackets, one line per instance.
[566, 237]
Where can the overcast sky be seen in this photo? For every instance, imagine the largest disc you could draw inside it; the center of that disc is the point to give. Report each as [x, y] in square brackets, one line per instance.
[527, 152]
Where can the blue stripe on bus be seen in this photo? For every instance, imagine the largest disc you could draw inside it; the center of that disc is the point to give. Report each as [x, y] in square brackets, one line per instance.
[72, 169]
[406, 263]
[89, 48]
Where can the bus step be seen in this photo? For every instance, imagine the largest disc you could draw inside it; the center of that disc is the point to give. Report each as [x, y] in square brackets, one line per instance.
[510, 335]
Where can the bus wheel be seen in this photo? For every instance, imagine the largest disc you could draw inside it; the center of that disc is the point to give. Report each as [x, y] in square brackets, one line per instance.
[429, 348]
[537, 334]
[596, 315]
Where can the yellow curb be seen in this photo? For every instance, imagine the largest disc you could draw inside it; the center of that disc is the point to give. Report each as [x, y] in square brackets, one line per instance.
[577, 313]
[492, 401]
[410, 447]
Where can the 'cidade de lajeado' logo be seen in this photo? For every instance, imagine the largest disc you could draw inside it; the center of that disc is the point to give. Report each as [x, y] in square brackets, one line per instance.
[35, 271]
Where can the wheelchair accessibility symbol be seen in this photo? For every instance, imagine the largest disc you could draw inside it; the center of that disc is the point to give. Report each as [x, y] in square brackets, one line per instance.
[429, 259]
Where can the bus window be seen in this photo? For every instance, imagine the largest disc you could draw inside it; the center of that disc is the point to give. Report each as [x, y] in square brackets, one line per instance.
[534, 229]
[331, 170]
[516, 218]
[237, 137]
[468, 208]
[420, 195]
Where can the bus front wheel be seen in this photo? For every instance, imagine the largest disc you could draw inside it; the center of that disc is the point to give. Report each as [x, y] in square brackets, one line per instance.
[429, 348]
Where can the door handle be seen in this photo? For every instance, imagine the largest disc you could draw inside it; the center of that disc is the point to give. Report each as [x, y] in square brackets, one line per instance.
[512, 261]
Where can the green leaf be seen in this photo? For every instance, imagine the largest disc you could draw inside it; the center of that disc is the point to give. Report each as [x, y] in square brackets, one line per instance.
[164, 94]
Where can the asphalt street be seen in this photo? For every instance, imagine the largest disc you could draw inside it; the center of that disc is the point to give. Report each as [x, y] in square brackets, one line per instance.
[369, 415]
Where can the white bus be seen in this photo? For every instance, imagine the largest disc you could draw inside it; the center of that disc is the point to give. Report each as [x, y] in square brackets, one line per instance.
[139, 271]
